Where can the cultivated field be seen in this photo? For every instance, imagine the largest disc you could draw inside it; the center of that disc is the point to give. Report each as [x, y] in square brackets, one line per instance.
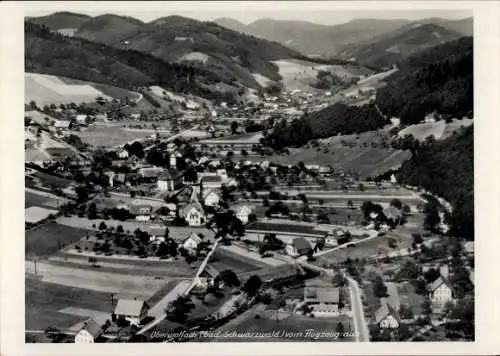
[298, 74]
[251, 138]
[421, 131]
[47, 239]
[49, 180]
[124, 285]
[263, 81]
[34, 197]
[44, 301]
[111, 91]
[110, 136]
[48, 89]
[223, 259]
[401, 236]
[456, 125]
[366, 161]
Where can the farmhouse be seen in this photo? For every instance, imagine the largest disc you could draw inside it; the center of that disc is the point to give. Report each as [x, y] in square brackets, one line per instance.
[191, 242]
[469, 247]
[62, 123]
[243, 212]
[88, 333]
[194, 214]
[150, 172]
[122, 154]
[131, 309]
[211, 198]
[386, 317]
[322, 297]
[441, 291]
[299, 247]
[141, 212]
[80, 119]
[173, 158]
[331, 240]
[169, 180]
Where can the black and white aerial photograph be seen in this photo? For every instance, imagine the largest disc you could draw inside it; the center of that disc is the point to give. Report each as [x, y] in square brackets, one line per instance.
[248, 175]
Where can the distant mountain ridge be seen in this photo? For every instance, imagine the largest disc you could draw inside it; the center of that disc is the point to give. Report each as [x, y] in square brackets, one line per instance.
[234, 57]
[61, 20]
[312, 38]
[390, 49]
[317, 39]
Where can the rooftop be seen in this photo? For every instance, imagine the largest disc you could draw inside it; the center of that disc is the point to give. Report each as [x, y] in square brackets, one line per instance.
[301, 243]
[384, 311]
[130, 307]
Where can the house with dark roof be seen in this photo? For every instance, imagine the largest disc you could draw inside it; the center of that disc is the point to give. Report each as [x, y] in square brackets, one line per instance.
[299, 247]
[89, 331]
[141, 212]
[211, 181]
[132, 310]
[386, 317]
[150, 173]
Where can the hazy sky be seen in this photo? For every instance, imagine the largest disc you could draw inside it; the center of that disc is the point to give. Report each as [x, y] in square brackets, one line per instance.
[328, 13]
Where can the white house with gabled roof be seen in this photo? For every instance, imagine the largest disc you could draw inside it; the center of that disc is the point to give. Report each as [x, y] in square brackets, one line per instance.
[211, 198]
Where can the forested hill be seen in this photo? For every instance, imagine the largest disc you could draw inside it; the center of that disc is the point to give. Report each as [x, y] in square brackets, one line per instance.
[439, 79]
[335, 119]
[48, 52]
[446, 168]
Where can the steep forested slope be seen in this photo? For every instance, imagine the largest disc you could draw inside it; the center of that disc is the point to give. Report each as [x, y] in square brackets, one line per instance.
[51, 53]
[440, 79]
[446, 168]
[335, 119]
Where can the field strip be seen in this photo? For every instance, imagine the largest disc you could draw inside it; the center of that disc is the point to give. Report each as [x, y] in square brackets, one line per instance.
[46, 194]
[251, 255]
[98, 316]
[167, 271]
[130, 285]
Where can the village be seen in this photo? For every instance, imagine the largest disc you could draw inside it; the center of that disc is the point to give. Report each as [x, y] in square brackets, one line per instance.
[190, 227]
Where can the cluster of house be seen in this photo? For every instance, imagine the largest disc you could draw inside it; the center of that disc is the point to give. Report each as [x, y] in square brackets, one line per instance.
[132, 310]
[67, 119]
[440, 292]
